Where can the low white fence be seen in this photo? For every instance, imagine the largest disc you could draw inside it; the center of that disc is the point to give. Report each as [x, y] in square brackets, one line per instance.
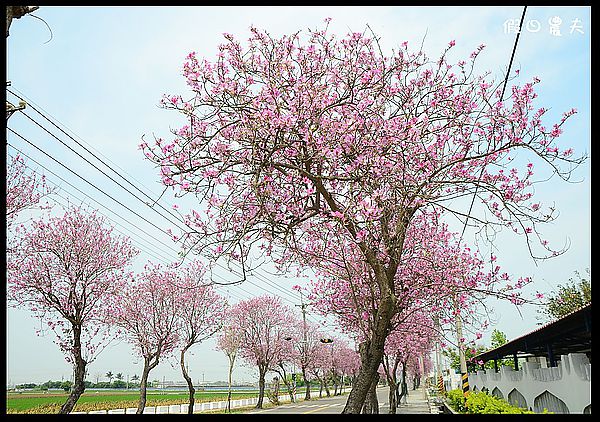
[198, 407]
[566, 388]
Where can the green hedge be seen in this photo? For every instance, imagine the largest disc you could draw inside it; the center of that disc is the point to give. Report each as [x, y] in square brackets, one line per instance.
[481, 403]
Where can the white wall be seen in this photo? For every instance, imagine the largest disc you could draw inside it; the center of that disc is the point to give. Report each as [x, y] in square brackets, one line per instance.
[569, 383]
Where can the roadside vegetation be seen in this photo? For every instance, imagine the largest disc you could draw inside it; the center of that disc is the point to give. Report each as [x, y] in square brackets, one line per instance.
[479, 402]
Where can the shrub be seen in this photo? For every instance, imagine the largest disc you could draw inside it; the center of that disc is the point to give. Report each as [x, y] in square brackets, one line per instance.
[481, 403]
[456, 399]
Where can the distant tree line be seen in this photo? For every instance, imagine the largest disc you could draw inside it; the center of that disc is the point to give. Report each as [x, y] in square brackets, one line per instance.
[66, 385]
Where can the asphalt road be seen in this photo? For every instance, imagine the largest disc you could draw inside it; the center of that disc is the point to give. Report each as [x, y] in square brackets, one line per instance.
[416, 404]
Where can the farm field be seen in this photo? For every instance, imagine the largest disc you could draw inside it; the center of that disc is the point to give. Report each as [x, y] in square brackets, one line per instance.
[38, 402]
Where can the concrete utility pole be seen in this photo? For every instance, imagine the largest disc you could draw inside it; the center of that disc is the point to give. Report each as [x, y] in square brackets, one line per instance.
[303, 307]
[439, 379]
[303, 348]
[461, 351]
[438, 369]
[304, 327]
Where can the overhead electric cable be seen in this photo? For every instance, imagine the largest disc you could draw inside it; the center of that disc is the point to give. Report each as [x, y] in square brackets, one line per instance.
[55, 121]
[91, 184]
[88, 196]
[255, 272]
[501, 98]
[96, 167]
[97, 158]
[85, 180]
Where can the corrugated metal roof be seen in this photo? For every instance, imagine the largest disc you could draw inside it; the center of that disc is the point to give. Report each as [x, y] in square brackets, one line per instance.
[535, 333]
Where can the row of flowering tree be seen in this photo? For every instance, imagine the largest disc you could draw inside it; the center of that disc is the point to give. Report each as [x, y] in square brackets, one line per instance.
[165, 309]
[298, 146]
[268, 335]
[409, 347]
[71, 272]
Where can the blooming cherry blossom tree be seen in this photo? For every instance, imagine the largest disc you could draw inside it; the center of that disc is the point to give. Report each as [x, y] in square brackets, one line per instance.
[308, 351]
[200, 315]
[287, 358]
[291, 140]
[229, 342]
[320, 367]
[148, 314]
[68, 270]
[263, 324]
[435, 274]
[413, 338]
[23, 190]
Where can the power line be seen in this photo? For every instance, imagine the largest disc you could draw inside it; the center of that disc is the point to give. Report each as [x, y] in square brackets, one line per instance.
[132, 235]
[109, 167]
[85, 180]
[163, 260]
[97, 158]
[45, 114]
[89, 183]
[96, 167]
[512, 56]
[160, 258]
[88, 196]
[255, 272]
[501, 97]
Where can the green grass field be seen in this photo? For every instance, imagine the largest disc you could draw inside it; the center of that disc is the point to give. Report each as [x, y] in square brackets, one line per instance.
[38, 402]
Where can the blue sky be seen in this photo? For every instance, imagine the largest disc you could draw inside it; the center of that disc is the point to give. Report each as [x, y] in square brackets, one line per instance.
[105, 69]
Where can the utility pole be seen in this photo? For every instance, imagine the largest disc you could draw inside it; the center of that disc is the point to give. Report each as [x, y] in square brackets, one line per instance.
[438, 369]
[461, 351]
[304, 347]
[303, 307]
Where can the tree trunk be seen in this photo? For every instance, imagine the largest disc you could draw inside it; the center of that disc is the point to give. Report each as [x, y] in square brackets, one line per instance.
[416, 382]
[306, 383]
[371, 355]
[261, 387]
[403, 384]
[393, 395]
[371, 405]
[290, 389]
[231, 362]
[190, 384]
[148, 366]
[288, 385]
[79, 365]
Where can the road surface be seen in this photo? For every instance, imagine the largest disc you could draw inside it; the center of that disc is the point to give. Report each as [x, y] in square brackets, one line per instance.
[416, 403]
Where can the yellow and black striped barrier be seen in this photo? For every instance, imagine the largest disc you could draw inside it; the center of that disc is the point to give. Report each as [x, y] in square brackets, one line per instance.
[465, 384]
[441, 388]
